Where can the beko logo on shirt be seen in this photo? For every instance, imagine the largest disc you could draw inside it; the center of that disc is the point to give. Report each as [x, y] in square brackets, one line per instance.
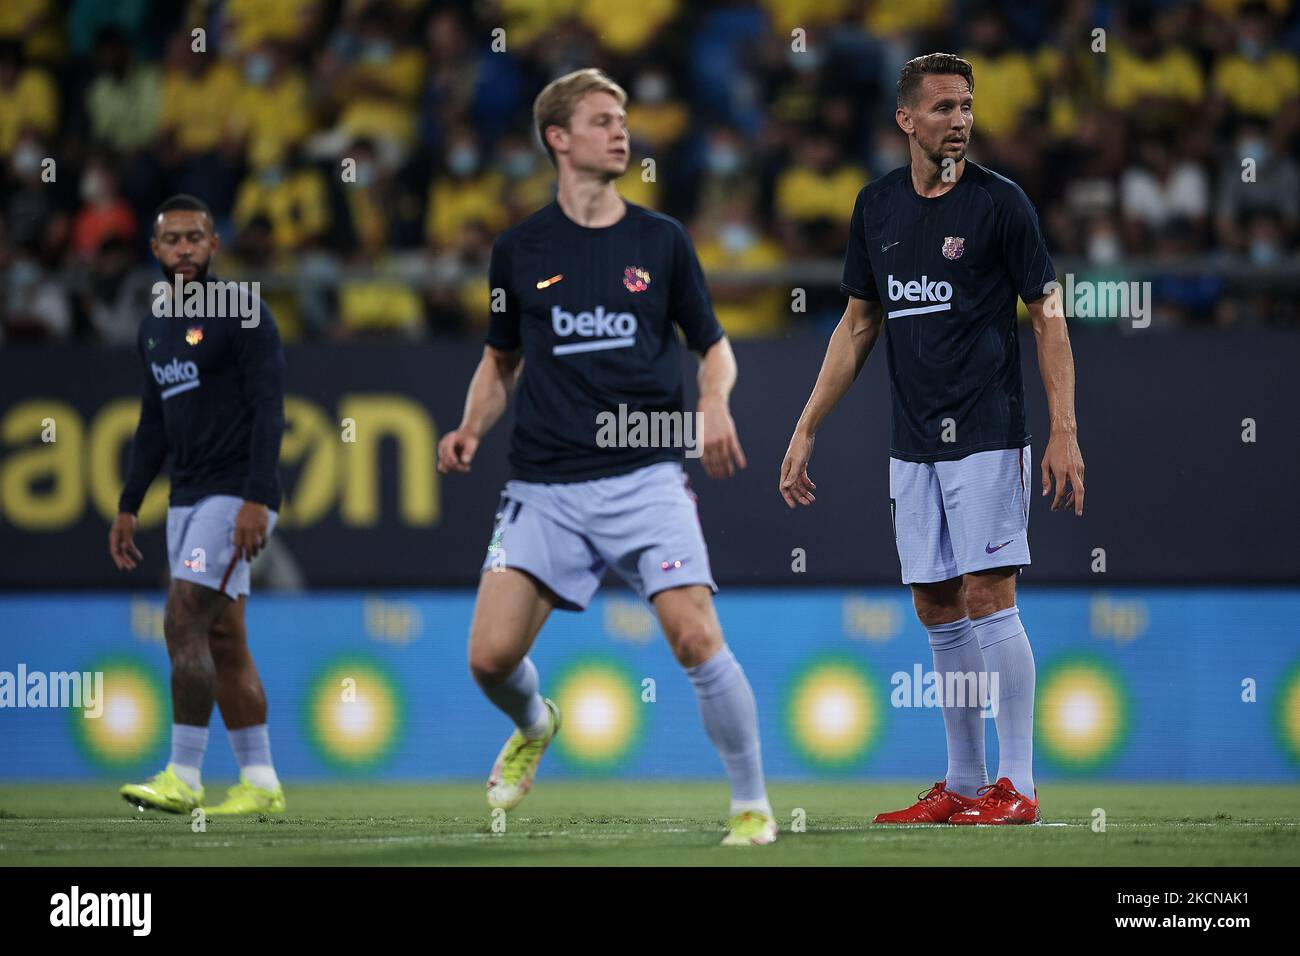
[920, 290]
[182, 376]
[610, 330]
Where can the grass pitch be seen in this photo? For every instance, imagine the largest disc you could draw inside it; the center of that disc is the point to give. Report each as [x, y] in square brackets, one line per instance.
[656, 823]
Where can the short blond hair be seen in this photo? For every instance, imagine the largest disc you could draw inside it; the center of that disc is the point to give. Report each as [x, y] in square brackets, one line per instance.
[555, 104]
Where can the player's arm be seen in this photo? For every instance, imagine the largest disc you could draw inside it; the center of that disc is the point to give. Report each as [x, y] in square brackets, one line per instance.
[851, 343]
[148, 451]
[489, 393]
[261, 367]
[720, 449]
[1062, 460]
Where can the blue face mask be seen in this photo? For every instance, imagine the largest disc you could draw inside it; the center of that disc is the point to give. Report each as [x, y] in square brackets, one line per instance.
[736, 238]
[463, 161]
[258, 69]
[724, 160]
[519, 164]
[376, 51]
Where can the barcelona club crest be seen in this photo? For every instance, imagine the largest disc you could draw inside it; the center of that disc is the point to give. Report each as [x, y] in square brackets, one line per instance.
[636, 279]
[953, 247]
[194, 334]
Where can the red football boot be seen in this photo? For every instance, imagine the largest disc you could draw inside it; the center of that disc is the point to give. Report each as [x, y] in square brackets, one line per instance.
[1000, 803]
[936, 806]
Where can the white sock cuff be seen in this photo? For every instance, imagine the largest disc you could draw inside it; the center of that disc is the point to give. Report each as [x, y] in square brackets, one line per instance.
[997, 627]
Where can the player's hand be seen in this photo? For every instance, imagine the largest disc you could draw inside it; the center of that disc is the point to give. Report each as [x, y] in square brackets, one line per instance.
[251, 526]
[1064, 462]
[796, 486]
[121, 542]
[719, 443]
[456, 451]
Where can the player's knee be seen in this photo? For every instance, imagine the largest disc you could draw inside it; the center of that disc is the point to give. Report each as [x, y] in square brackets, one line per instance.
[694, 643]
[488, 667]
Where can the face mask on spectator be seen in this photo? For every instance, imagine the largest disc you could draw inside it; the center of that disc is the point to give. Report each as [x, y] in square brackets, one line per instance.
[736, 237]
[651, 88]
[376, 51]
[520, 163]
[1104, 248]
[271, 176]
[723, 160]
[1256, 149]
[93, 187]
[1264, 252]
[462, 161]
[1251, 49]
[365, 174]
[805, 62]
[258, 69]
[26, 159]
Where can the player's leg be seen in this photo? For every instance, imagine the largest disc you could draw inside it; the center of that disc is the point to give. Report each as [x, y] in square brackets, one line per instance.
[986, 500]
[190, 612]
[242, 702]
[534, 563]
[927, 563]
[645, 524]
[727, 706]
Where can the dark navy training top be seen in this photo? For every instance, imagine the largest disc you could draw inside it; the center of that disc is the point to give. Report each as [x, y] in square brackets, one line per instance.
[947, 272]
[214, 399]
[594, 311]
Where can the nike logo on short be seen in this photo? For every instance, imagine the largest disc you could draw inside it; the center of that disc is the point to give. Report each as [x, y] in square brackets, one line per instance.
[890, 246]
[989, 548]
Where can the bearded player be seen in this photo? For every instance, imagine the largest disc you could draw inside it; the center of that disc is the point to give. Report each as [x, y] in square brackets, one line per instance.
[214, 401]
[938, 252]
[590, 290]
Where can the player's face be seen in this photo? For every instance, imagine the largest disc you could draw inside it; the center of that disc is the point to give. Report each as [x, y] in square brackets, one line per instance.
[940, 119]
[597, 136]
[183, 243]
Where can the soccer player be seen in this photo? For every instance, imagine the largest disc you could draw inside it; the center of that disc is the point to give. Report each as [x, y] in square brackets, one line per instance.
[588, 290]
[938, 252]
[214, 400]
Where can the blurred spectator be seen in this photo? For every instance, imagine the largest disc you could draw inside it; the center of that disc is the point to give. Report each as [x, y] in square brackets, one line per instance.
[103, 214]
[28, 99]
[1158, 189]
[463, 191]
[1255, 80]
[124, 99]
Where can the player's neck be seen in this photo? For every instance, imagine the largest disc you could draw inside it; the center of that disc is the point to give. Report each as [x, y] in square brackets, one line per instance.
[591, 203]
[928, 178]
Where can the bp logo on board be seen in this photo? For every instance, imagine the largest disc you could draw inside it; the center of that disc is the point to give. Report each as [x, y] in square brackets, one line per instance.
[354, 714]
[600, 704]
[832, 713]
[1081, 714]
[1288, 713]
[132, 730]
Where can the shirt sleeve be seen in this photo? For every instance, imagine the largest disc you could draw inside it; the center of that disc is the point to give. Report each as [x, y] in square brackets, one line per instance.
[692, 309]
[148, 450]
[503, 319]
[261, 374]
[857, 279]
[1024, 248]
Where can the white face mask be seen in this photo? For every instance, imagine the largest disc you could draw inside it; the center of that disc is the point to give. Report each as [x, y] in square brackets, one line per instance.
[93, 187]
[736, 237]
[26, 160]
[1104, 248]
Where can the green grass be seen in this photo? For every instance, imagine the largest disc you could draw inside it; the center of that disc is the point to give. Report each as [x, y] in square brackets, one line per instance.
[620, 823]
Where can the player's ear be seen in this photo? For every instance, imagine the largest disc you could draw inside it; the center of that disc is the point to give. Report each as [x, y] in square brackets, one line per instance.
[904, 120]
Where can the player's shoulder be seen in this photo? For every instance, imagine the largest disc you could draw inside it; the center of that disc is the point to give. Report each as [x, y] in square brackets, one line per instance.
[1001, 190]
[883, 188]
[534, 225]
[656, 222]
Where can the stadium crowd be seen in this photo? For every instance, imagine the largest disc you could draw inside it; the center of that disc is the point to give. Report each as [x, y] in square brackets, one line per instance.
[366, 153]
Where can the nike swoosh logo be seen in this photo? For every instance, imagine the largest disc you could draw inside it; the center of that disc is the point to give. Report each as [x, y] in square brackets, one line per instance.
[890, 246]
[989, 549]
